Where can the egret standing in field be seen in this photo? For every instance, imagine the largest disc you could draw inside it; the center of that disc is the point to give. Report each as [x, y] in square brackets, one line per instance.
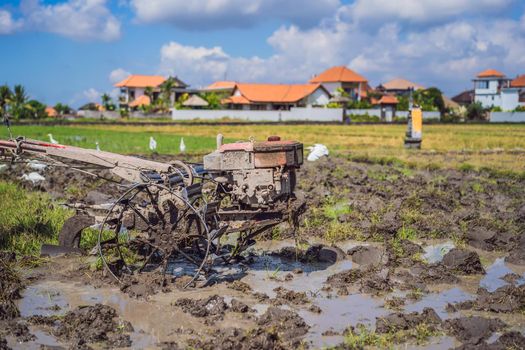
[33, 177]
[152, 144]
[97, 146]
[182, 146]
[52, 140]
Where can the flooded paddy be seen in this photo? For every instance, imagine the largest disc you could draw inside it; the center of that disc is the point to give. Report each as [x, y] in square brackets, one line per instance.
[387, 257]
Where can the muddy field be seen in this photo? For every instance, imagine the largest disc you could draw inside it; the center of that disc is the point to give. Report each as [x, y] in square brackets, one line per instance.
[388, 256]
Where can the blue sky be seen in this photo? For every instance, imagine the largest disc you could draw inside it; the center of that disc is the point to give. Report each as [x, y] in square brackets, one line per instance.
[73, 50]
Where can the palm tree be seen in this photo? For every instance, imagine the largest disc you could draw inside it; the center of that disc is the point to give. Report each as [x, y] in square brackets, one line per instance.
[18, 101]
[148, 91]
[167, 88]
[5, 98]
[62, 109]
[106, 101]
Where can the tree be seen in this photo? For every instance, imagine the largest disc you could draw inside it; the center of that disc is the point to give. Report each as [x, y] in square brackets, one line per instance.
[148, 91]
[166, 90]
[475, 111]
[5, 99]
[18, 102]
[62, 109]
[107, 102]
[35, 110]
[214, 100]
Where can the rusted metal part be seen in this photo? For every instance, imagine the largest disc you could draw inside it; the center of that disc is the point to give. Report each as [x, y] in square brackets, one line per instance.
[178, 209]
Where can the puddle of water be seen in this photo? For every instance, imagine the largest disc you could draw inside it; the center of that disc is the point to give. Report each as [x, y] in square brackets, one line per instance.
[434, 253]
[439, 301]
[339, 313]
[40, 301]
[495, 272]
[139, 312]
[42, 338]
[267, 273]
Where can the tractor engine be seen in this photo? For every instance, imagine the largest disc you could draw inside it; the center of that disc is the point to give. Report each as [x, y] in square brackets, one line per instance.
[255, 174]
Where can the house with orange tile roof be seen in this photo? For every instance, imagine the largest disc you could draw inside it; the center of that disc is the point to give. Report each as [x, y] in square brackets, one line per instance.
[387, 105]
[51, 112]
[133, 89]
[342, 77]
[276, 96]
[492, 88]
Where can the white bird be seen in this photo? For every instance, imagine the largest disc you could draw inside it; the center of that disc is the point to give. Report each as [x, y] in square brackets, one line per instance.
[317, 151]
[98, 147]
[152, 144]
[36, 165]
[52, 140]
[33, 177]
[182, 146]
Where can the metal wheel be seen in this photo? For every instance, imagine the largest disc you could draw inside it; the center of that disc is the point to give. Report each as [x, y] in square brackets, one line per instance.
[156, 223]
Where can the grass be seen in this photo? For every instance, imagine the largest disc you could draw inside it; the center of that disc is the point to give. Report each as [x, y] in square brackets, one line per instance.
[444, 146]
[28, 219]
[362, 337]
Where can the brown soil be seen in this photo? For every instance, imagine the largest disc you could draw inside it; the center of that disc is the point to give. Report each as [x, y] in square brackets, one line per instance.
[463, 262]
[10, 288]
[383, 201]
[473, 330]
[400, 321]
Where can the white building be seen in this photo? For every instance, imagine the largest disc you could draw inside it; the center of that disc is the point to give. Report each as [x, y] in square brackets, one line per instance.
[493, 89]
[133, 89]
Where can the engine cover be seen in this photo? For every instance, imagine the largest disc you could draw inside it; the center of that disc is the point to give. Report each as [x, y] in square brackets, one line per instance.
[256, 174]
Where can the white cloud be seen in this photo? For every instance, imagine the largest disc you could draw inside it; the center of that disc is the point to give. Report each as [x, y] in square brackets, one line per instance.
[91, 95]
[76, 19]
[117, 75]
[447, 55]
[7, 24]
[213, 14]
[195, 65]
[419, 10]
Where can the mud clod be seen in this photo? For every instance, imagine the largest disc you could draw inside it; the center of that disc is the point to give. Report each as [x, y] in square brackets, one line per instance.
[400, 321]
[213, 306]
[289, 326]
[18, 330]
[517, 254]
[289, 296]
[463, 262]
[368, 255]
[240, 286]
[235, 338]
[10, 288]
[239, 306]
[472, 330]
[506, 299]
[91, 324]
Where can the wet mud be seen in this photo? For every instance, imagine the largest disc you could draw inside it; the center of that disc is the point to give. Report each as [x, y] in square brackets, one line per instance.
[424, 259]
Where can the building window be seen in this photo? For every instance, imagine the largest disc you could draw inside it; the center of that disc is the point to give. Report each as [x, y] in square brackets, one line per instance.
[482, 84]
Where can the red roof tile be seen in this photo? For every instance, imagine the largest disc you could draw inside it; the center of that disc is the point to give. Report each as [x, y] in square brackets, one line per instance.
[489, 73]
[518, 82]
[274, 93]
[221, 85]
[141, 81]
[387, 100]
[143, 100]
[338, 74]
